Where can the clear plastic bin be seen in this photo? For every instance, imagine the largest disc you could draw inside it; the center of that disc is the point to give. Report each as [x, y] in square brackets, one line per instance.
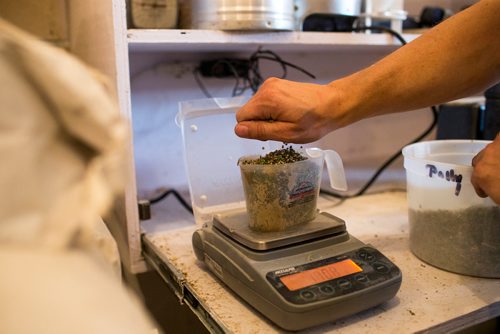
[212, 152]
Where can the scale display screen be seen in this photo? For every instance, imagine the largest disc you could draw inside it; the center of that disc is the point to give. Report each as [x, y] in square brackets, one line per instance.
[320, 274]
[336, 276]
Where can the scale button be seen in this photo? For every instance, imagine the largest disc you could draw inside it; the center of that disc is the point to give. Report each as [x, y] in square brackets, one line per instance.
[308, 295]
[380, 267]
[344, 284]
[364, 254]
[361, 278]
[327, 289]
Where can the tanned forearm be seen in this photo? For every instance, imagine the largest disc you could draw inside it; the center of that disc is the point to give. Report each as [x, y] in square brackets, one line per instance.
[453, 60]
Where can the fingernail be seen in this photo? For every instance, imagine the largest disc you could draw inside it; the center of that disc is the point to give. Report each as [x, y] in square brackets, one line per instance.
[241, 130]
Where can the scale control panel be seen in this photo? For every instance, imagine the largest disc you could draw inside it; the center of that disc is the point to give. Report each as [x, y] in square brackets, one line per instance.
[334, 277]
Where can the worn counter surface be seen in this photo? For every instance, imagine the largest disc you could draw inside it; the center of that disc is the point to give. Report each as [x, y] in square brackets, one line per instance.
[430, 299]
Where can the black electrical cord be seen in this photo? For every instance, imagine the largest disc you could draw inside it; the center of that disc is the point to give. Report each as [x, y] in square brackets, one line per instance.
[196, 73]
[176, 194]
[390, 31]
[255, 78]
[252, 77]
[240, 85]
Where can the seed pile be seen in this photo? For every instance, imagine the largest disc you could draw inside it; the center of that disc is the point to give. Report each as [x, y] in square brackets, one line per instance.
[277, 157]
[464, 241]
[279, 193]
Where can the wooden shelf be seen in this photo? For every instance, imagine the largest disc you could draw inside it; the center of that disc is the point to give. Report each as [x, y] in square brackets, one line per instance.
[157, 40]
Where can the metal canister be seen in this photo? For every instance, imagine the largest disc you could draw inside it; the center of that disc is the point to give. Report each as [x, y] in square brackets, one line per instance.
[242, 14]
[305, 8]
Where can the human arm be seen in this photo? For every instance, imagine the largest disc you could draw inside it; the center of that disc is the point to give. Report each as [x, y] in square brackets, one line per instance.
[486, 174]
[455, 59]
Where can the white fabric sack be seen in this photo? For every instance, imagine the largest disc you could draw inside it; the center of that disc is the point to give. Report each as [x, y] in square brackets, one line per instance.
[62, 143]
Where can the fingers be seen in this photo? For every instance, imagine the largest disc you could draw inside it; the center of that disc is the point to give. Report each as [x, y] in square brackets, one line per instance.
[475, 178]
[262, 106]
[285, 111]
[477, 158]
[254, 111]
[253, 130]
[486, 173]
[479, 191]
[268, 130]
[242, 131]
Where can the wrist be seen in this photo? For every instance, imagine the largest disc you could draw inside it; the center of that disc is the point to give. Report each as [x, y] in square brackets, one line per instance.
[346, 102]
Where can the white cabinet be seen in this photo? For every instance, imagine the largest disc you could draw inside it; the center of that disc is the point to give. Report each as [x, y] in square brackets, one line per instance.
[152, 71]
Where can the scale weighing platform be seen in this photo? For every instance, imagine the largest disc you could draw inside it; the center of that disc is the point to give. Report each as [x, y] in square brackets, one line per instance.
[307, 275]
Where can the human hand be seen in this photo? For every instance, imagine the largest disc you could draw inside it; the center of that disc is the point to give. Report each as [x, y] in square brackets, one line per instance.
[486, 174]
[291, 112]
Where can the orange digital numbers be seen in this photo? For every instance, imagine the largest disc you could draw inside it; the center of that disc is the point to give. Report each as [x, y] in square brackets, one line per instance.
[321, 274]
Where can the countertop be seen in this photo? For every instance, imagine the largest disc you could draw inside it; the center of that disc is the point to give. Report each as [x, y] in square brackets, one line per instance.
[430, 300]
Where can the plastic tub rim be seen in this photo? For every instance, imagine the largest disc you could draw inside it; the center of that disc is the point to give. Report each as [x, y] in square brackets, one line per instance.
[409, 154]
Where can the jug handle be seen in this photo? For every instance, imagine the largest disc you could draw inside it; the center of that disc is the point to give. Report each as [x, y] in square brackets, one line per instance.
[335, 168]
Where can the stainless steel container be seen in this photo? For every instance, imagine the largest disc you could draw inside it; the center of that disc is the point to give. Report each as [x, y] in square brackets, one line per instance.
[304, 8]
[242, 14]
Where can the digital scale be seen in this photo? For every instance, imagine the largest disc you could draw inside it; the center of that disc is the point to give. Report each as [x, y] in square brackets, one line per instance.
[311, 273]
[305, 276]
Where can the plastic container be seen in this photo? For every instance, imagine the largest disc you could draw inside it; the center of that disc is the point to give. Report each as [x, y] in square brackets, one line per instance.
[212, 151]
[284, 195]
[451, 227]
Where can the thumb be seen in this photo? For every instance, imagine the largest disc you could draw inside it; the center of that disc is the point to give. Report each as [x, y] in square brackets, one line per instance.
[241, 130]
[261, 130]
